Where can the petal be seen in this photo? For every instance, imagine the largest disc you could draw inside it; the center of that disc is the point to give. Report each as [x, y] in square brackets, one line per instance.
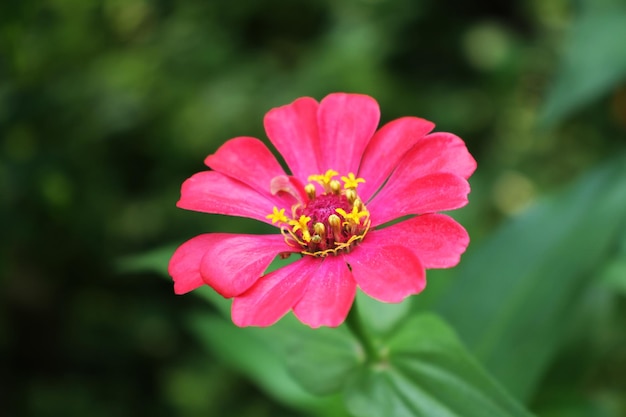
[386, 148]
[184, 266]
[213, 192]
[293, 131]
[437, 240]
[346, 125]
[235, 262]
[387, 273]
[328, 296]
[429, 194]
[437, 152]
[274, 294]
[247, 160]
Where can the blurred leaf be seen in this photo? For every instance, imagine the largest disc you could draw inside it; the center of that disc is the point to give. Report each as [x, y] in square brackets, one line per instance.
[594, 61]
[614, 276]
[244, 351]
[427, 372]
[321, 360]
[155, 260]
[513, 297]
[259, 353]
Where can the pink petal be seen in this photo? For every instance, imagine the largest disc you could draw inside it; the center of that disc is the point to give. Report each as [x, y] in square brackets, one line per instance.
[184, 266]
[387, 273]
[437, 152]
[328, 296]
[213, 192]
[386, 148]
[429, 194]
[346, 124]
[233, 263]
[274, 294]
[293, 131]
[247, 160]
[437, 240]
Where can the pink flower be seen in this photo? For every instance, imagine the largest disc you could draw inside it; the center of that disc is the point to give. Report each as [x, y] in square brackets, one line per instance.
[347, 182]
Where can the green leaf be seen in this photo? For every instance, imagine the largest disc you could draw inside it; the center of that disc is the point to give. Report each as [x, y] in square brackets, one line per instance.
[594, 61]
[259, 353]
[321, 360]
[614, 276]
[513, 297]
[155, 260]
[427, 372]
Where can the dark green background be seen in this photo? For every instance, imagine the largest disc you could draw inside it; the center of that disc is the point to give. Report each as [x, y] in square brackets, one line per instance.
[106, 107]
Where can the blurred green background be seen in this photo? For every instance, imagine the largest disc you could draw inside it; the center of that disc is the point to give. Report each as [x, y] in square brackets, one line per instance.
[106, 107]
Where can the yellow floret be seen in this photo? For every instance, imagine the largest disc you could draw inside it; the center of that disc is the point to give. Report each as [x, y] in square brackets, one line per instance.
[278, 216]
[351, 181]
[324, 179]
[302, 224]
[355, 216]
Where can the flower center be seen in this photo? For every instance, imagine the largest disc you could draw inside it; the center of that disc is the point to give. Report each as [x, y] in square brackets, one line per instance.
[329, 223]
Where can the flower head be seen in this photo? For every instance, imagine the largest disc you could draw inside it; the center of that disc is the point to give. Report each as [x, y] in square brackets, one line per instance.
[347, 181]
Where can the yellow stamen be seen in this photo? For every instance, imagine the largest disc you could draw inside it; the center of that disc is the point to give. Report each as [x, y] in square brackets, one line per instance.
[351, 181]
[334, 221]
[278, 216]
[335, 224]
[350, 194]
[335, 187]
[319, 229]
[309, 189]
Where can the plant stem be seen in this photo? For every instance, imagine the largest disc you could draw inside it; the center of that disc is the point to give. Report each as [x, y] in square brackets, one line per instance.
[354, 323]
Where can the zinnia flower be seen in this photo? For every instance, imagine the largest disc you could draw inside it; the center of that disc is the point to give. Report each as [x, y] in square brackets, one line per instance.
[347, 183]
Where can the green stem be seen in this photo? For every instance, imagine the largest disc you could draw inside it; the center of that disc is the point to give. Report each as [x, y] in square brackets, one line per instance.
[354, 323]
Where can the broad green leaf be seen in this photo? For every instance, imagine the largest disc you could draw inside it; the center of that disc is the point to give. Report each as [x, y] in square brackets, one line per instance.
[426, 372]
[594, 61]
[259, 353]
[288, 360]
[321, 360]
[513, 297]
